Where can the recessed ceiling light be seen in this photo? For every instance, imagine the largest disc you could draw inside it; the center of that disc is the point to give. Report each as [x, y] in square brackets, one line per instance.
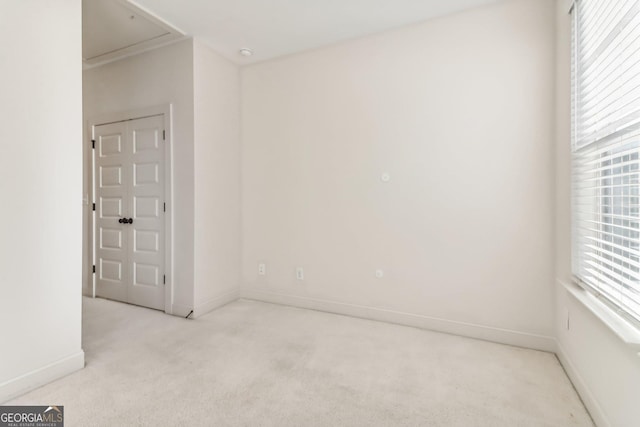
[245, 52]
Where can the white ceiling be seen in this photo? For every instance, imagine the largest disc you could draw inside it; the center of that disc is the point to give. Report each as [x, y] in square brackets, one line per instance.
[273, 28]
[114, 28]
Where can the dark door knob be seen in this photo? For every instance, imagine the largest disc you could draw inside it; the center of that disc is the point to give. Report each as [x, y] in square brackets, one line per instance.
[130, 220]
[122, 220]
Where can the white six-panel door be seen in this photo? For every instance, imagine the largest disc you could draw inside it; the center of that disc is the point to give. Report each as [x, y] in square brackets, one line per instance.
[129, 220]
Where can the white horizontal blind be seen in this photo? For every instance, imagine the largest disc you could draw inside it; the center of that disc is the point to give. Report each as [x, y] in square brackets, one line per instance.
[606, 150]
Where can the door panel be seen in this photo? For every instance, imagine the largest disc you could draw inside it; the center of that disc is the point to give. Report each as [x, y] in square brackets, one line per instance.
[111, 207]
[146, 137]
[111, 195]
[146, 241]
[145, 173]
[111, 271]
[111, 176]
[129, 166]
[147, 251]
[110, 239]
[146, 207]
[145, 274]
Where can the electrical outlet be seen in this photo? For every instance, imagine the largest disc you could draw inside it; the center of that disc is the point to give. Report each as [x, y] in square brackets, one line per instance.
[300, 273]
[262, 269]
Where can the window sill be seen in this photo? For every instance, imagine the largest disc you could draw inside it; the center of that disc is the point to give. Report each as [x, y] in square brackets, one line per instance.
[626, 332]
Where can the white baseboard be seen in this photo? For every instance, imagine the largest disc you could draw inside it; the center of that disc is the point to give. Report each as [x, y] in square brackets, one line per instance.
[216, 302]
[180, 310]
[487, 333]
[41, 376]
[590, 402]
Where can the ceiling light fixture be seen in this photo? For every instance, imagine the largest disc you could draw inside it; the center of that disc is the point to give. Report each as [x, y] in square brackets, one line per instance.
[245, 52]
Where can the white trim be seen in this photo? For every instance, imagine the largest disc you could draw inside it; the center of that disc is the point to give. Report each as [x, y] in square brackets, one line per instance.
[216, 302]
[482, 332]
[87, 281]
[41, 376]
[179, 310]
[119, 116]
[590, 402]
[626, 332]
[166, 111]
[122, 54]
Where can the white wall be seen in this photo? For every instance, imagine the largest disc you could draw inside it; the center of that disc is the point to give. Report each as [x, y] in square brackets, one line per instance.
[217, 179]
[587, 347]
[41, 166]
[154, 78]
[204, 89]
[460, 112]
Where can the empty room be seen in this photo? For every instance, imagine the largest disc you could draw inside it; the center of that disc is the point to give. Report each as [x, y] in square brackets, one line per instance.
[319, 213]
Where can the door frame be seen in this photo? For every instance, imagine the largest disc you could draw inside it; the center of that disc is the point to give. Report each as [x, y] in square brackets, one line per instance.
[103, 119]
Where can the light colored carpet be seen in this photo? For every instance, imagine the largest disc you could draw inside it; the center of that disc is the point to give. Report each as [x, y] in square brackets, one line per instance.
[258, 364]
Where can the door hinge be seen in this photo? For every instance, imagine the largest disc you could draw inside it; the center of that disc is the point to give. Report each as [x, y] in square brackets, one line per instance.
[164, 279]
[94, 268]
[163, 135]
[164, 207]
[93, 143]
[94, 206]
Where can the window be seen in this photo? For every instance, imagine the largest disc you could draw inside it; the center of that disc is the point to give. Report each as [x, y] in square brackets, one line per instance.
[606, 151]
